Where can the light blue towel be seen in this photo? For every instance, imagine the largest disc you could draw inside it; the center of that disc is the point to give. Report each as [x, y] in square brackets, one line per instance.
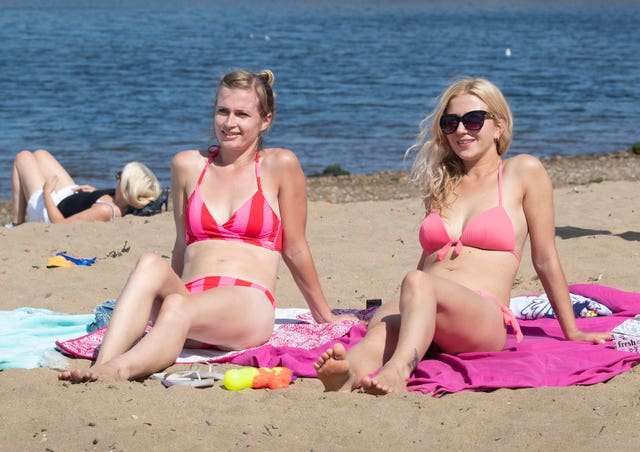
[28, 335]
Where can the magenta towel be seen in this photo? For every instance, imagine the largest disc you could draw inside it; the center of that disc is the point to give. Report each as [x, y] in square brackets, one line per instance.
[543, 358]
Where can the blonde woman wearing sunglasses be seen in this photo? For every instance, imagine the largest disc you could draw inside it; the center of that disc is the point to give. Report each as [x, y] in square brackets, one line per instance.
[480, 208]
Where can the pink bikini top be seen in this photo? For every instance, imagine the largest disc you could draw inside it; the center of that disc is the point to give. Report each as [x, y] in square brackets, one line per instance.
[254, 222]
[490, 230]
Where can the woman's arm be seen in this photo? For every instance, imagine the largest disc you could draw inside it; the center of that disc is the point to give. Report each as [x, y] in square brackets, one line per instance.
[179, 170]
[292, 201]
[97, 212]
[539, 213]
[421, 262]
[87, 188]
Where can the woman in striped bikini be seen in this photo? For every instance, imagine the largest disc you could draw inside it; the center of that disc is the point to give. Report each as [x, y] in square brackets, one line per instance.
[237, 208]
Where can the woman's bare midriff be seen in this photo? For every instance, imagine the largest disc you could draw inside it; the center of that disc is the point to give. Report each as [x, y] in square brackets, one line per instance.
[470, 270]
[235, 259]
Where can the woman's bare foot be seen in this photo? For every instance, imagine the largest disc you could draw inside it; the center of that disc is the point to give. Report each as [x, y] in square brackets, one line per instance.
[103, 372]
[76, 376]
[334, 371]
[386, 382]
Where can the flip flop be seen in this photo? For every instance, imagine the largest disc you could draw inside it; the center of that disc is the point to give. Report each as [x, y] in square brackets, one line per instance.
[193, 378]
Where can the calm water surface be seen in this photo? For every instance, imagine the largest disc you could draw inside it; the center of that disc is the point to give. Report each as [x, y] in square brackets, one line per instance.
[102, 85]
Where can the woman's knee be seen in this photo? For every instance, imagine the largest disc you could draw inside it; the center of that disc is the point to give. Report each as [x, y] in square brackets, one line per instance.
[417, 280]
[151, 263]
[24, 156]
[42, 154]
[417, 287]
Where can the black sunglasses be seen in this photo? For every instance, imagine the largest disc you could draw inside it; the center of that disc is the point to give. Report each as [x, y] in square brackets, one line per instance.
[118, 175]
[472, 120]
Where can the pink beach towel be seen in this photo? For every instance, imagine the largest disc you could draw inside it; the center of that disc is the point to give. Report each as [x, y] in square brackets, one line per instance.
[543, 358]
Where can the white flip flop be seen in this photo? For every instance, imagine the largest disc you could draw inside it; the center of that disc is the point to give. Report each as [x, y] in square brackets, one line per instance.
[193, 378]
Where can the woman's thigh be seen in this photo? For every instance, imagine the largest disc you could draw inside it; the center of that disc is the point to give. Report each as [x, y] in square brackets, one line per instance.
[389, 312]
[230, 317]
[50, 167]
[465, 320]
[30, 176]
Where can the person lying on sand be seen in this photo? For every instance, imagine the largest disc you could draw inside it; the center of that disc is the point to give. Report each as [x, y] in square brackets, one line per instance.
[43, 191]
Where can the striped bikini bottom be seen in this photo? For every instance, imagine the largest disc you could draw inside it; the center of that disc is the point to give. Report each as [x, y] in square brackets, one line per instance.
[211, 282]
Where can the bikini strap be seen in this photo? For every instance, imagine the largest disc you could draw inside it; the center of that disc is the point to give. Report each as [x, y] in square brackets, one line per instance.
[258, 171]
[213, 151]
[500, 183]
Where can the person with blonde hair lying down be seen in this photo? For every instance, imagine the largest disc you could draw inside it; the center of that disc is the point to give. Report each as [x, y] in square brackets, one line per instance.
[43, 191]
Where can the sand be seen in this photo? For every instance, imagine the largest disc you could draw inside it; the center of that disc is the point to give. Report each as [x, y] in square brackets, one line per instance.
[362, 250]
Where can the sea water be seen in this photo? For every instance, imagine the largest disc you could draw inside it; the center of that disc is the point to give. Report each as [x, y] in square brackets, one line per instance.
[100, 83]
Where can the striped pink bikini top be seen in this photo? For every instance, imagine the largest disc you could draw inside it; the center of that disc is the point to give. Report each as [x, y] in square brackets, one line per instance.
[489, 230]
[254, 222]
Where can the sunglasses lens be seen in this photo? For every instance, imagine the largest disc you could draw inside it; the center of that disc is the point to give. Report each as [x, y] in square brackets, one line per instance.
[474, 120]
[449, 123]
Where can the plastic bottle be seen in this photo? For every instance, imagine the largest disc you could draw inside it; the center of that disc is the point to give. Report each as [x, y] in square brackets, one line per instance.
[251, 377]
[237, 379]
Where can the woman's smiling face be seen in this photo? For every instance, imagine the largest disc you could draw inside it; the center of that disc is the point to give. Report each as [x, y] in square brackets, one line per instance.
[472, 144]
[237, 120]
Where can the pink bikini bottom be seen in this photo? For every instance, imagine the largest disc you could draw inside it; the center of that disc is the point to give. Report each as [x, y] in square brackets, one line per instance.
[211, 282]
[509, 318]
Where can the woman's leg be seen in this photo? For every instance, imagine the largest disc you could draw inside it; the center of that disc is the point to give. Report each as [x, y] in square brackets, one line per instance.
[30, 171]
[50, 167]
[26, 179]
[437, 310]
[343, 371]
[151, 280]
[230, 317]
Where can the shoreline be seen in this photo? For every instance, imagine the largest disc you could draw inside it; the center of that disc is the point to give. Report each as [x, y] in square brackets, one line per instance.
[387, 185]
[390, 185]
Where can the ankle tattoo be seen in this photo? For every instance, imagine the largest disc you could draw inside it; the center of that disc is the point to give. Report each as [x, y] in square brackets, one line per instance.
[414, 361]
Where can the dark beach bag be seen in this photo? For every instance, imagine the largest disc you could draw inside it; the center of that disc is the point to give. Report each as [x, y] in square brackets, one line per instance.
[154, 207]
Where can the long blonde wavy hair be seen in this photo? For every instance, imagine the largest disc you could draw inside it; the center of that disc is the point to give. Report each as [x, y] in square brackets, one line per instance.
[437, 169]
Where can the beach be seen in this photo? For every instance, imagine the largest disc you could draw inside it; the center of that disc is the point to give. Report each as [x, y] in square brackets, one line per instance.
[363, 234]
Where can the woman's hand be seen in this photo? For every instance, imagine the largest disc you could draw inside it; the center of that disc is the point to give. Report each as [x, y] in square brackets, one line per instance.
[596, 338]
[50, 185]
[88, 188]
[337, 318]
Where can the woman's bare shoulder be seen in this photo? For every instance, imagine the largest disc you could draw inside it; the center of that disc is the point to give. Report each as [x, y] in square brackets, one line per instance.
[280, 158]
[527, 172]
[524, 164]
[278, 153]
[188, 158]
